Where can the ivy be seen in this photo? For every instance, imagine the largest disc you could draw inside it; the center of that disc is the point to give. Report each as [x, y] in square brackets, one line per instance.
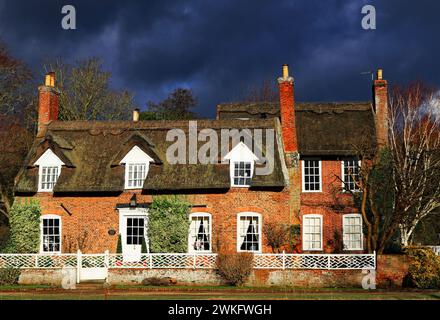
[168, 224]
[24, 219]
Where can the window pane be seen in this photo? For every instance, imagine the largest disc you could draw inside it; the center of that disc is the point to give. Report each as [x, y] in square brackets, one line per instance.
[242, 173]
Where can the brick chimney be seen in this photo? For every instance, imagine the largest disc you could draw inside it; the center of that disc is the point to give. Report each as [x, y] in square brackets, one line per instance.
[287, 110]
[380, 107]
[48, 97]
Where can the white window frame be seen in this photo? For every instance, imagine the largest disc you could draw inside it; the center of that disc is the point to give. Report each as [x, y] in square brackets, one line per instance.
[50, 216]
[232, 170]
[200, 215]
[47, 159]
[240, 153]
[136, 156]
[304, 230]
[352, 215]
[127, 174]
[343, 175]
[125, 213]
[260, 234]
[303, 175]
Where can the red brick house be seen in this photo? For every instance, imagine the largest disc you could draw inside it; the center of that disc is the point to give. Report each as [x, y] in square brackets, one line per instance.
[96, 179]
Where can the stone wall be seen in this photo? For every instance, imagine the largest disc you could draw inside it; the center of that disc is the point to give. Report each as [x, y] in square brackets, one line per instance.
[391, 269]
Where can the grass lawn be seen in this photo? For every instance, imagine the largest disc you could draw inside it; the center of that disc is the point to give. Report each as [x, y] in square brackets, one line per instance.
[210, 292]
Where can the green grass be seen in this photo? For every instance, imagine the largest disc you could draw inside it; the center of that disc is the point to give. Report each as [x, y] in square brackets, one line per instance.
[211, 292]
[25, 287]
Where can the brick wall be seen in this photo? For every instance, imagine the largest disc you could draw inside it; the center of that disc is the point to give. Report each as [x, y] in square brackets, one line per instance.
[331, 203]
[93, 216]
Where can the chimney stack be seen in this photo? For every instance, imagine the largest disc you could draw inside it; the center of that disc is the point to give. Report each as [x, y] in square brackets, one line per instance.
[287, 110]
[135, 115]
[380, 106]
[48, 97]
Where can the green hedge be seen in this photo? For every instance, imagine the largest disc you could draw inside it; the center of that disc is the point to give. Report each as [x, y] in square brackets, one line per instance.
[24, 220]
[168, 224]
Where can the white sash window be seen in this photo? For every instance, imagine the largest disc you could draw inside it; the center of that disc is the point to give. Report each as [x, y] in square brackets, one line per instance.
[249, 232]
[312, 232]
[199, 239]
[352, 229]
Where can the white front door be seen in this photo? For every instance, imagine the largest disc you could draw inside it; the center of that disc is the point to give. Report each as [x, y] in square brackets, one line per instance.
[133, 232]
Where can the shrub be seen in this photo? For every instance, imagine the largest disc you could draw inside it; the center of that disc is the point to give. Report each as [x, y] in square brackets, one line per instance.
[119, 245]
[277, 235]
[24, 219]
[235, 267]
[155, 281]
[9, 276]
[424, 268]
[168, 225]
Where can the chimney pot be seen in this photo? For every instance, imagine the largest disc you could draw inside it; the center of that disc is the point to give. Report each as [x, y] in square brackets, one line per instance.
[285, 71]
[50, 79]
[379, 74]
[136, 115]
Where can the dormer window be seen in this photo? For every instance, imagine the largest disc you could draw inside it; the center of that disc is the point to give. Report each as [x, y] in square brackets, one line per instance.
[137, 172]
[241, 164]
[242, 173]
[49, 169]
[137, 163]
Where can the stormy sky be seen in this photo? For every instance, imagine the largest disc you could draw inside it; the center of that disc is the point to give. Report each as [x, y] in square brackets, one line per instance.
[218, 48]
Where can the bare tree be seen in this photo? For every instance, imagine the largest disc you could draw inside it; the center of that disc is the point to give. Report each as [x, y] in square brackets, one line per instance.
[14, 144]
[14, 83]
[85, 93]
[265, 92]
[177, 106]
[415, 144]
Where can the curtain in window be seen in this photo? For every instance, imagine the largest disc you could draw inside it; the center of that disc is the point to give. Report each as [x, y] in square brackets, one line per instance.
[245, 224]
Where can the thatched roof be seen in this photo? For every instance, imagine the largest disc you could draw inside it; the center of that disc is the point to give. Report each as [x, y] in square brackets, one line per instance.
[333, 129]
[92, 151]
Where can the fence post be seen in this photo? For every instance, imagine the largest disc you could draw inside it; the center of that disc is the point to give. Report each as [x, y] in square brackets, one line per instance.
[374, 257]
[107, 259]
[36, 260]
[150, 260]
[78, 265]
[194, 260]
[284, 260]
[328, 262]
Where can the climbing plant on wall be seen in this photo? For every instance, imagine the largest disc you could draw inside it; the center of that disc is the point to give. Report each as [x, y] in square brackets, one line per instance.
[168, 224]
[24, 219]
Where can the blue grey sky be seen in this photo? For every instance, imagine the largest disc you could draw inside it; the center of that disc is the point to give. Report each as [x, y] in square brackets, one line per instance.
[218, 48]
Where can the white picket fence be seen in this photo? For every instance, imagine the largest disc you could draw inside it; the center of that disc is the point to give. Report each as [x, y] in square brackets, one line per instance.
[187, 261]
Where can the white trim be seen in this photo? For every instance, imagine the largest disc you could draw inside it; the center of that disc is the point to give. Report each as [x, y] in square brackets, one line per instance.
[47, 159]
[135, 156]
[343, 175]
[303, 231]
[352, 215]
[195, 215]
[232, 176]
[240, 153]
[125, 213]
[51, 216]
[303, 175]
[260, 235]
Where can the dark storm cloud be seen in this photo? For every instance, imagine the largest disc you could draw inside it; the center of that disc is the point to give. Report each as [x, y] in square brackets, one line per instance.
[218, 47]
